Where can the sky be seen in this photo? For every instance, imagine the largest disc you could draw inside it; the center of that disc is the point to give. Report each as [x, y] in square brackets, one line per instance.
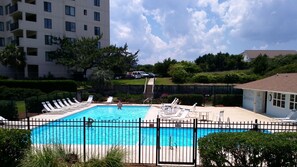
[187, 29]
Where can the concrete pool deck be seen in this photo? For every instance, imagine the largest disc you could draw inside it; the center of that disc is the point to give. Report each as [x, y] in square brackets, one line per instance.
[235, 114]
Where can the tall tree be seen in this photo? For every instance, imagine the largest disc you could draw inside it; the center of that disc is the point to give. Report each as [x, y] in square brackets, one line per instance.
[118, 59]
[78, 55]
[83, 54]
[162, 68]
[13, 57]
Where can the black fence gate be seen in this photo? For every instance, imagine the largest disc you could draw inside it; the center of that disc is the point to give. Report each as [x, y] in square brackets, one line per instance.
[176, 142]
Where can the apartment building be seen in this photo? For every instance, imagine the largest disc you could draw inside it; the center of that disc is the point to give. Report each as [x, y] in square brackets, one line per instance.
[33, 24]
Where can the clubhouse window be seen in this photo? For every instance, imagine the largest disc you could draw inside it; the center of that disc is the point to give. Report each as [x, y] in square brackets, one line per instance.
[279, 100]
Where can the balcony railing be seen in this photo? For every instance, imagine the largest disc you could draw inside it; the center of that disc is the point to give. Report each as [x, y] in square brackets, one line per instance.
[13, 9]
[14, 26]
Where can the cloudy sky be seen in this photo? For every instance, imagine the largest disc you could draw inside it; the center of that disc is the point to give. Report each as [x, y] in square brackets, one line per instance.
[187, 29]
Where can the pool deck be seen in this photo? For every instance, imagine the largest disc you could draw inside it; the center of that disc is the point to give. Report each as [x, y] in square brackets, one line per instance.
[234, 114]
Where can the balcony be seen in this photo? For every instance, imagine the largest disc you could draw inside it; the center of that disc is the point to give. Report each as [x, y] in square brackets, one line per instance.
[13, 9]
[14, 26]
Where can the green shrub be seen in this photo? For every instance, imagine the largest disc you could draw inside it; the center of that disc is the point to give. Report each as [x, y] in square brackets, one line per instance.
[8, 109]
[18, 93]
[201, 78]
[138, 99]
[248, 149]
[46, 86]
[227, 99]
[114, 158]
[186, 99]
[33, 104]
[54, 156]
[13, 145]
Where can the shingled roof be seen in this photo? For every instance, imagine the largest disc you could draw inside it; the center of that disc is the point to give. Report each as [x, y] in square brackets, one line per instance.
[270, 53]
[277, 83]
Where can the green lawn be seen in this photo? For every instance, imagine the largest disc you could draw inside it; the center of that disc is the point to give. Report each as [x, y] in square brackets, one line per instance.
[164, 81]
[159, 81]
[129, 81]
[21, 106]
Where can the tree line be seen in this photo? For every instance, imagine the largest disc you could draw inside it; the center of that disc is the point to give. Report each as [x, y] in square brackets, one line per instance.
[83, 55]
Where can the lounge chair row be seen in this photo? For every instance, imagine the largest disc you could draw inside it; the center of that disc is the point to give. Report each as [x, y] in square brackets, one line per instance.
[65, 105]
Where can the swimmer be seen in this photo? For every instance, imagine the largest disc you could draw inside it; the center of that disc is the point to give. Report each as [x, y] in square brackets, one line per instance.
[89, 122]
[119, 105]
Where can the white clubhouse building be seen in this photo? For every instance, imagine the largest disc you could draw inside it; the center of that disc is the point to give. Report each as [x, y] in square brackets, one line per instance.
[275, 95]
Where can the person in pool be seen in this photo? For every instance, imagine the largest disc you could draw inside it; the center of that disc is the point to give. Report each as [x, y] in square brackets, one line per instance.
[119, 105]
[89, 121]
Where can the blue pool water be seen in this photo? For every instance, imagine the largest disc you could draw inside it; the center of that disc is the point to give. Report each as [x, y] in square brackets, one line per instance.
[114, 127]
[111, 113]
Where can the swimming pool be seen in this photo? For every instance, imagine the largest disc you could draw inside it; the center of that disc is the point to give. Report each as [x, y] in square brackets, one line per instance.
[115, 127]
[111, 112]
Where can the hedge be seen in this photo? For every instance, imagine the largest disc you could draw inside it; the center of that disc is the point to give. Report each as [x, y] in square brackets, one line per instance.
[8, 109]
[227, 99]
[33, 104]
[185, 99]
[18, 93]
[248, 149]
[13, 145]
[223, 77]
[46, 86]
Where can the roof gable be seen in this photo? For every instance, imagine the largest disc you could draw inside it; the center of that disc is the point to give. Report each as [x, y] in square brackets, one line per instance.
[270, 53]
[286, 82]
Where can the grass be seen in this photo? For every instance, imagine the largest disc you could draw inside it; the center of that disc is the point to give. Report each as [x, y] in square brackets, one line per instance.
[21, 106]
[129, 81]
[164, 81]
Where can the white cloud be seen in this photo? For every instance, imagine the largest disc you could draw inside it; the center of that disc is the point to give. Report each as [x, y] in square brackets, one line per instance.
[184, 30]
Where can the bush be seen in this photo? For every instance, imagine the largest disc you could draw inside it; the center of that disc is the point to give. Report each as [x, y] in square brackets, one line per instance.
[13, 145]
[227, 100]
[114, 158]
[46, 86]
[54, 156]
[33, 104]
[9, 110]
[248, 149]
[18, 93]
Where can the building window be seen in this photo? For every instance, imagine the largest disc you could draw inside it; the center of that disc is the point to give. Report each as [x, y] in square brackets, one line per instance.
[47, 56]
[47, 6]
[48, 23]
[48, 39]
[70, 11]
[70, 26]
[96, 2]
[2, 42]
[97, 16]
[8, 25]
[293, 102]
[279, 100]
[85, 12]
[1, 10]
[1, 26]
[7, 9]
[86, 27]
[97, 30]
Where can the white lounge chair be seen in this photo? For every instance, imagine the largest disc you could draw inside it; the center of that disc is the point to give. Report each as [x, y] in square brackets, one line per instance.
[109, 99]
[2, 120]
[57, 105]
[73, 103]
[48, 109]
[89, 100]
[50, 105]
[183, 114]
[288, 117]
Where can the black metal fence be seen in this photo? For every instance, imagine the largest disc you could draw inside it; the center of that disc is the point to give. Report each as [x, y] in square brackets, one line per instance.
[154, 142]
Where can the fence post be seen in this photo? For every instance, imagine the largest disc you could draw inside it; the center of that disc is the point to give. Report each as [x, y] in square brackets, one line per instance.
[84, 138]
[139, 142]
[28, 123]
[195, 142]
[157, 141]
